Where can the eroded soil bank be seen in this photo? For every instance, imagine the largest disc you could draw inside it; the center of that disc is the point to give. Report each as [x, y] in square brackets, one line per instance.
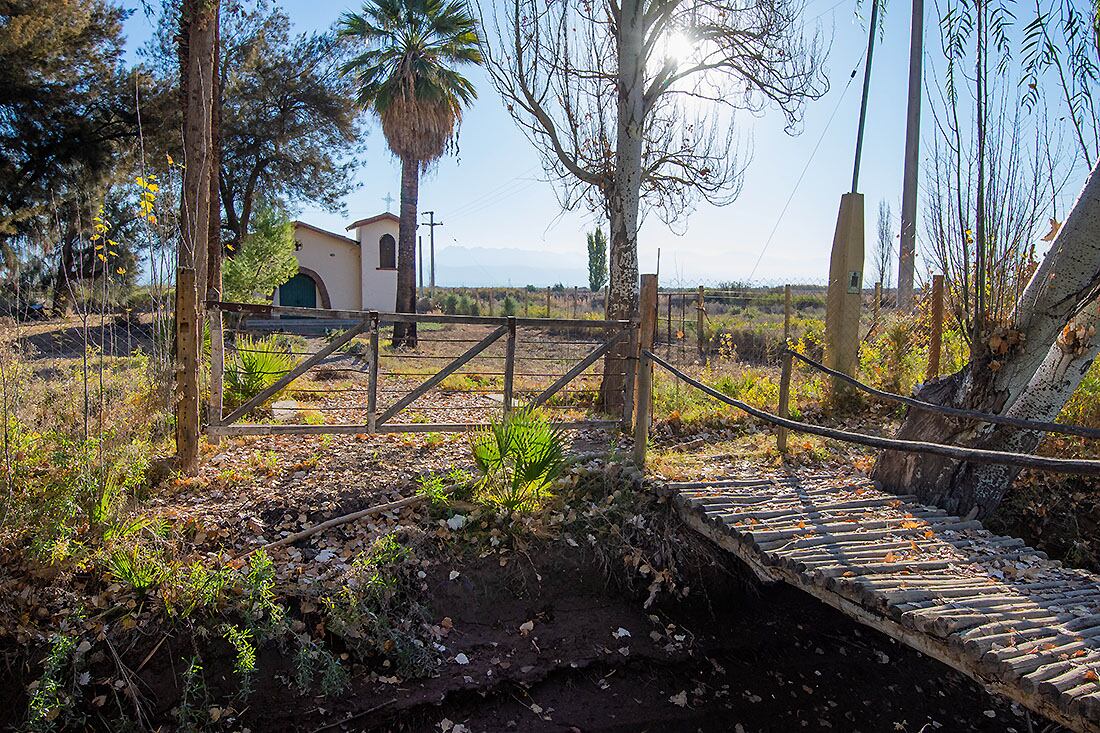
[550, 643]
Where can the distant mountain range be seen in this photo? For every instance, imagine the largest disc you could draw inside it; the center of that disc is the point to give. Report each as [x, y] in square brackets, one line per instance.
[488, 267]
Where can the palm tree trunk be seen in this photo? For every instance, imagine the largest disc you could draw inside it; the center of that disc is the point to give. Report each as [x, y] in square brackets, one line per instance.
[404, 334]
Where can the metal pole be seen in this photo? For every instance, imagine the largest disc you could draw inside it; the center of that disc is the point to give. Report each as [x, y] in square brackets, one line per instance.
[866, 89]
[644, 392]
[785, 376]
[432, 224]
[912, 162]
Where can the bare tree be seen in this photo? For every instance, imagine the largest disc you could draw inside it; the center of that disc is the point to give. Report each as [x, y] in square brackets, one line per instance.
[1025, 176]
[884, 246]
[631, 105]
[1031, 328]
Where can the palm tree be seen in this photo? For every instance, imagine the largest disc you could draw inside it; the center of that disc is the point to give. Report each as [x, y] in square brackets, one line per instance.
[407, 77]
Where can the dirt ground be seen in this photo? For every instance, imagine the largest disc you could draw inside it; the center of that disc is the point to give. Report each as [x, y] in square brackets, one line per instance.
[548, 631]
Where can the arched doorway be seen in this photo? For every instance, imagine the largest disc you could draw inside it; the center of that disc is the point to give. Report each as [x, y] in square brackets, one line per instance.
[299, 291]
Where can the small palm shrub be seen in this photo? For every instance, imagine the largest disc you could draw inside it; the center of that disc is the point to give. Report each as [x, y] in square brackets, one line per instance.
[255, 366]
[518, 459]
[509, 307]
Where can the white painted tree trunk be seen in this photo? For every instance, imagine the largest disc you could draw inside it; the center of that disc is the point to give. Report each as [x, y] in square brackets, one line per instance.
[1033, 381]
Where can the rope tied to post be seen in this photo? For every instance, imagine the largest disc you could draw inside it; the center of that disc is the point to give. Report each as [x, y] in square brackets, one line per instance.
[959, 412]
[974, 455]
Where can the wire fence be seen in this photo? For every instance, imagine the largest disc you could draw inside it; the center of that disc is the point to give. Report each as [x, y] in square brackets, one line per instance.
[461, 371]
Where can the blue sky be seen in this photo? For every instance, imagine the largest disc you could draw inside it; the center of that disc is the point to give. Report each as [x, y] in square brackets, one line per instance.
[491, 195]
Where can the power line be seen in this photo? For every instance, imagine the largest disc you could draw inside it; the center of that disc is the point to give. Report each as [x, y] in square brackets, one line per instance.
[480, 198]
[805, 168]
[494, 201]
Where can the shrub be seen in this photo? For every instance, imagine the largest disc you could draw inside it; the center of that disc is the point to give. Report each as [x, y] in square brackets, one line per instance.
[264, 261]
[518, 458]
[255, 366]
[509, 307]
[1083, 407]
[450, 304]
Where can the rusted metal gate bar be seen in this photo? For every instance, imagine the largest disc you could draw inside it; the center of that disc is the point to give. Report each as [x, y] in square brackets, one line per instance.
[442, 374]
[371, 322]
[579, 367]
[302, 368]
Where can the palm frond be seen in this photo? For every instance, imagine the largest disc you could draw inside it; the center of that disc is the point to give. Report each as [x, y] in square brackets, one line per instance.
[406, 73]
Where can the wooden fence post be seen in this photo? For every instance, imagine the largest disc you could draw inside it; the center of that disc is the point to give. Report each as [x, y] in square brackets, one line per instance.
[547, 301]
[631, 376]
[644, 392]
[372, 375]
[509, 364]
[876, 307]
[490, 301]
[574, 302]
[668, 322]
[217, 367]
[700, 325]
[935, 345]
[785, 377]
[526, 301]
[187, 371]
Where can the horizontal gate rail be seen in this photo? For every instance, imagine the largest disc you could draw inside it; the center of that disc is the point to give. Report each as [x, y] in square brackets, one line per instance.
[315, 323]
[387, 317]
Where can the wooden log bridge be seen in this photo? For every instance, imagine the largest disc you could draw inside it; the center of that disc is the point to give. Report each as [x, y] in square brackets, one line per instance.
[998, 611]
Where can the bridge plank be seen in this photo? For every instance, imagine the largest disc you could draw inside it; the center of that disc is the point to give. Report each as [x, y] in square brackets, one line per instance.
[987, 605]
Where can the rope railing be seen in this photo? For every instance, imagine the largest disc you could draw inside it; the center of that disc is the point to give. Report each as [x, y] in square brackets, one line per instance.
[1015, 422]
[974, 455]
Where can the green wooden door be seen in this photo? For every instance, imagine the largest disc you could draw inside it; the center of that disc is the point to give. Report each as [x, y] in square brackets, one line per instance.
[298, 292]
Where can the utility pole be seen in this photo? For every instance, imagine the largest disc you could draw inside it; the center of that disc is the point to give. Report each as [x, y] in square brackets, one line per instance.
[420, 247]
[432, 224]
[907, 253]
[844, 296]
[866, 89]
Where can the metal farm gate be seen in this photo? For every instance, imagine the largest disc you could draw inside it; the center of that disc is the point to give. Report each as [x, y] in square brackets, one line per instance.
[464, 371]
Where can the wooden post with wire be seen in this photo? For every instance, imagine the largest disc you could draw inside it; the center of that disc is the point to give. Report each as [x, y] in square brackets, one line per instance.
[574, 302]
[509, 365]
[935, 345]
[188, 324]
[372, 374]
[785, 378]
[668, 323]
[644, 392]
[700, 325]
[217, 364]
[876, 307]
[490, 301]
[547, 301]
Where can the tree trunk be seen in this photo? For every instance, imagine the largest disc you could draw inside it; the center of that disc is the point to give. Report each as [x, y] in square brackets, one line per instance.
[62, 280]
[1054, 322]
[404, 334]
[198, 32]
[622, 297]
